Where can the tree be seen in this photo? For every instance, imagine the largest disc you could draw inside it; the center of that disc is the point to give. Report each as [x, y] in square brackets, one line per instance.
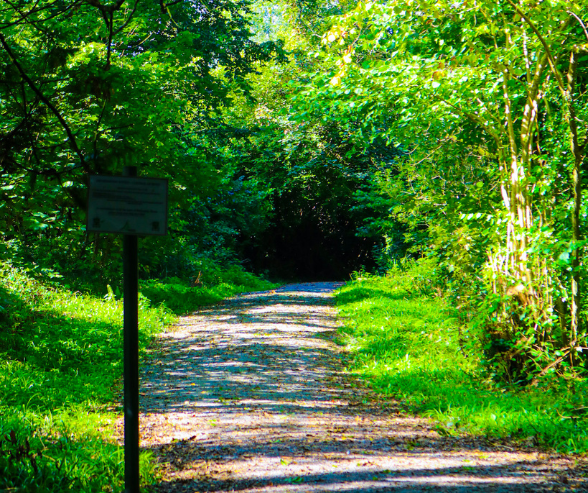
[311, 172]
[90, 85]
[482, 82]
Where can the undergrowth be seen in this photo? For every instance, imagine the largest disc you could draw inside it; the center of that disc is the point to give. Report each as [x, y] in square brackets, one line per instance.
[60, 376]
[211, 286]
[407, 344]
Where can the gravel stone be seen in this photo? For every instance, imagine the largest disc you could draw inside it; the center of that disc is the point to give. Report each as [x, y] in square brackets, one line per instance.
[251, 395]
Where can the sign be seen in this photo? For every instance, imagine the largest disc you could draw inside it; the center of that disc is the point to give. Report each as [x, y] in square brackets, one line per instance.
[127, 205]
[132, 207]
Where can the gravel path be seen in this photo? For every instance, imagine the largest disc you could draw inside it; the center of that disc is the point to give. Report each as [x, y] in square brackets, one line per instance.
[249, 396]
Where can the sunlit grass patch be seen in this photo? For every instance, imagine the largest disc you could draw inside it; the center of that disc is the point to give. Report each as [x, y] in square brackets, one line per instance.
[63, 451]
[61, 365]
[407, 344]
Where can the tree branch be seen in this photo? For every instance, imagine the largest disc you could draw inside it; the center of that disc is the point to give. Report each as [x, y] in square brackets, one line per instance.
[109, 50]
[169, 4]
[543, 372]
[113, 7]
[72, 140]
[550, 57]
[128, 19]
[475, 118]
[581, 23]
[24, 16]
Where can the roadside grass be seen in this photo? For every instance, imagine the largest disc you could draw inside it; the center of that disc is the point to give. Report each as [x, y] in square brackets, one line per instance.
[60, 378]
[181, 296]
[408, 345]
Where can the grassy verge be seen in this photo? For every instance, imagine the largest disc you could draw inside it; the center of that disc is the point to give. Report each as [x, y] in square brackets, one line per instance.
[406, 344]
[60, 373]
[181, 296]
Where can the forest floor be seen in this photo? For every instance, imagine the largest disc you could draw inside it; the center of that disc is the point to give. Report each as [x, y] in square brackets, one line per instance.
[251, 395]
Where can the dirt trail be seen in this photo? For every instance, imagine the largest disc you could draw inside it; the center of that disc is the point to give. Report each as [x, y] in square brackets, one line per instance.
[249, 396]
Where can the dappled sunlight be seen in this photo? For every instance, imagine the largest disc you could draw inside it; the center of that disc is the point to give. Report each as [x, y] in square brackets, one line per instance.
[250, 395]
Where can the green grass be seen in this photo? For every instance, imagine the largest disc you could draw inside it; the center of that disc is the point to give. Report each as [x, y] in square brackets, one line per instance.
[407, 345]
[60, 376]
[181, 296]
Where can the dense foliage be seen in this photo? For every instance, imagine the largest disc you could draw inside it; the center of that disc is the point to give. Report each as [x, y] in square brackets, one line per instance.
[91, 86]
[305, 140]
[430, 128]
[489, 104]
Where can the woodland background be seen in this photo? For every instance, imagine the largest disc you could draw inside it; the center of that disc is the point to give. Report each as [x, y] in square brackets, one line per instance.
[307, 140]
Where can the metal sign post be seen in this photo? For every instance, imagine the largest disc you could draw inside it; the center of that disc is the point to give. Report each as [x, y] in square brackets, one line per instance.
[131, 355]
[130, 206]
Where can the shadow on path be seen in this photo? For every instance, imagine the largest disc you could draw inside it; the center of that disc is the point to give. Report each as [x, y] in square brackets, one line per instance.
[249, 396]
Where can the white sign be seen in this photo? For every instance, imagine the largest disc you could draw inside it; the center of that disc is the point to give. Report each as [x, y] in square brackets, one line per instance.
[127, 205]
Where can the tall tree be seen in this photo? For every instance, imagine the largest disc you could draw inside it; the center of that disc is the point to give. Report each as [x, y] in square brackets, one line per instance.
[502, 81]
[91, 85]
